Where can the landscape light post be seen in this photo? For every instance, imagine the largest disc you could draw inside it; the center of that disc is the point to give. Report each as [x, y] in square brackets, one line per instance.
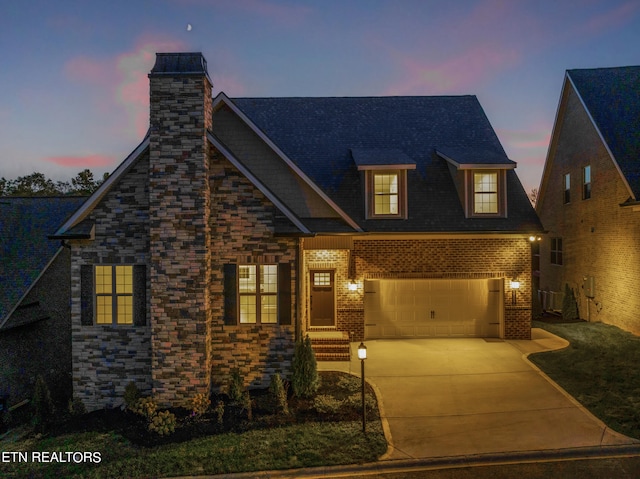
[362, 355]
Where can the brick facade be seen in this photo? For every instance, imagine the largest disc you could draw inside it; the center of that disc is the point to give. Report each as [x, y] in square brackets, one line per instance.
[599, 236]
[505, 258]
[107, 358]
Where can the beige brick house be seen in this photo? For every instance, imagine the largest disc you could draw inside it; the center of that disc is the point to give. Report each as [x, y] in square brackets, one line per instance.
[589, 196]
[241, 224]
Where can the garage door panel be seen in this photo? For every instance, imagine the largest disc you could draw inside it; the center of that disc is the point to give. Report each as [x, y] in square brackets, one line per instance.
[432, 308]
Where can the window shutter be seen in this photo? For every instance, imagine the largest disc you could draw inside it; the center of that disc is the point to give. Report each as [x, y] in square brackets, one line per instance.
[140, 295]
[284, 293]
[86, 295]
[230, 294]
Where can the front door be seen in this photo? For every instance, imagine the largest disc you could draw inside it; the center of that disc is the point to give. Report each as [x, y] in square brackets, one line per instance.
[322, 301]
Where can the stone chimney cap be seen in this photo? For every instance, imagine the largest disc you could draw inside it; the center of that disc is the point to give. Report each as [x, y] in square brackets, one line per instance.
[185, 63]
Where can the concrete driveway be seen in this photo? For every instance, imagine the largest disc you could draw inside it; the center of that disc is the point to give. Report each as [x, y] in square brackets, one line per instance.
[453, 397]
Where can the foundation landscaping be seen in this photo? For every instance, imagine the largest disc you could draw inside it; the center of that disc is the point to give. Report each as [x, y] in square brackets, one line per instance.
[294, 423]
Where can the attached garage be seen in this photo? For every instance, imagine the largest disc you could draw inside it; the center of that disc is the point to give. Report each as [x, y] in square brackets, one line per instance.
[406, 308]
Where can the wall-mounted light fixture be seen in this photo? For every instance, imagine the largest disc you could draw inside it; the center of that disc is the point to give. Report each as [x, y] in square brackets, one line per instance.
[353, 286]
[534, 238]
[515, 286]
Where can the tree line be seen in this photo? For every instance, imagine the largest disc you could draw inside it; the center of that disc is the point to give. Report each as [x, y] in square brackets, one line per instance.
[37, 184]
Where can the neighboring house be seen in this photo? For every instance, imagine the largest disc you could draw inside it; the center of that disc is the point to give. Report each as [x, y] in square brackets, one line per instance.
[589, 197]
[239, 225]
[35, 324]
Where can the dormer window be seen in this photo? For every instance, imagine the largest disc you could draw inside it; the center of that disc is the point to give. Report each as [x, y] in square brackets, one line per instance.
[385, 181]
[485, 193]
[386, 193]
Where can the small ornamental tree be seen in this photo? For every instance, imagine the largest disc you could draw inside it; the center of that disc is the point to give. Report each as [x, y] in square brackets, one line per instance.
[569, 305]
[304, 370]
[43, 406]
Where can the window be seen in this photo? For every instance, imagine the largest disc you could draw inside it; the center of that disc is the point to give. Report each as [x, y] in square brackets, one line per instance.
[586, 182]
[258, 293]
[556, 251]
[485, 193]
[386, 193]
[114, 294]
[567, 188]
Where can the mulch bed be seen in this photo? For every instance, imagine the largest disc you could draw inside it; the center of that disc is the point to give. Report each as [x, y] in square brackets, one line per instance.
[235, 418]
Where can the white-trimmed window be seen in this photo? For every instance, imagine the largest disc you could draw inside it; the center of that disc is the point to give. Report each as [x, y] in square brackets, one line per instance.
[114, 294]
[258, 293]
[486, 193]
[386, 193]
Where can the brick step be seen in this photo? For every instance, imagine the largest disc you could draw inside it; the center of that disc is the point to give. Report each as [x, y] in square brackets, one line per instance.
[331, 349]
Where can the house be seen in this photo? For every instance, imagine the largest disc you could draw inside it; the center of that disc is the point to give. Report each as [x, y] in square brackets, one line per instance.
[35, 326]
[241, 224]
[589, 196]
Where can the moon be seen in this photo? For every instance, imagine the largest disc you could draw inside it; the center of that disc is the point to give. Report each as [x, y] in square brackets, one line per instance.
[189, 27]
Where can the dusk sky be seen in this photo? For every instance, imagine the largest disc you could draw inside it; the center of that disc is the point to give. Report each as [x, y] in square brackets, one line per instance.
[74, 73]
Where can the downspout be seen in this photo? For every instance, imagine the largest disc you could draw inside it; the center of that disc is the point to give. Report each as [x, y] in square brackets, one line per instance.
[299, 288]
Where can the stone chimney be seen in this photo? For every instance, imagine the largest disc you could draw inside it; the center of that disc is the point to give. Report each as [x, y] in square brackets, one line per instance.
[179, 206]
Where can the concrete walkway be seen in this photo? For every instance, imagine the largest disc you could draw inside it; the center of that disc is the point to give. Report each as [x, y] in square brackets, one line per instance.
[459, 397]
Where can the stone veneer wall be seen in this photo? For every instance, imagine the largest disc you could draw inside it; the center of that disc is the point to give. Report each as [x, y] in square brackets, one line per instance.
[482, 258]
[242, 226]
[107, 358]
[180, 243]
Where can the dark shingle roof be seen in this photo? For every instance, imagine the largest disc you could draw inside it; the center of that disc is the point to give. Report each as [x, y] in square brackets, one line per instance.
[24, 247]
[319, 134]
[612, 96]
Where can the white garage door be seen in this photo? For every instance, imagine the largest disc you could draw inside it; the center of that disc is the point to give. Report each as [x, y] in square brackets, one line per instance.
[405, 308]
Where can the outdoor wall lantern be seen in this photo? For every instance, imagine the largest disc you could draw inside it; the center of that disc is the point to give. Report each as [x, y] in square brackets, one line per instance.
[362, 355]
[515, 286]
[534, 238]
[353, 286]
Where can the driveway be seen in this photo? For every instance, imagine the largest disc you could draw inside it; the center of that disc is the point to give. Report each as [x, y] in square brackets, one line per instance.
[453, 397]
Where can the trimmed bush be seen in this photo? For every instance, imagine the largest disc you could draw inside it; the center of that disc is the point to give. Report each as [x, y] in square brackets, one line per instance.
[304, 370]
[200, 404]
[569, 305]
[235, 389]
[42, 405]
[163, 423]
[219, 411]
[326, 404]
[131, 394]
[278, 393]
[145, 407]
[76, 407]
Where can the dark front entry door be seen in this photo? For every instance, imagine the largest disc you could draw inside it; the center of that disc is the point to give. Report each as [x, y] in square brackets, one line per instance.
[322, 298]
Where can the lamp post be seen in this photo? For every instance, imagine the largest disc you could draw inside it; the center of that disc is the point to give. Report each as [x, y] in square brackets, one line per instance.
[362, 355]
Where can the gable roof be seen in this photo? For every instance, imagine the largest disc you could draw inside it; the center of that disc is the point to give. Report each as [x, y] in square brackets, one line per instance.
[611, 97]
[320, 135]
[25, 250]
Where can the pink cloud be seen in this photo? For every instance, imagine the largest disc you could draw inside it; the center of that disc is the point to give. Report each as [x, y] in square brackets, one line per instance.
[616, 17]
[86, 161]
[89, 70]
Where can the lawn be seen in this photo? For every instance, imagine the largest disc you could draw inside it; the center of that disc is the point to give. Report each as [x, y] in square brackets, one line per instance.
[305, 438]
[600, 368]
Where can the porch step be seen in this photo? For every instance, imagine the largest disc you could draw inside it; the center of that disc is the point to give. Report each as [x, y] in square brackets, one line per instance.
[330, 347]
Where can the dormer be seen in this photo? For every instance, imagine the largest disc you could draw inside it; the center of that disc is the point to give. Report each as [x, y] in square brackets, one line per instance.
[385, 181]
[481, 180]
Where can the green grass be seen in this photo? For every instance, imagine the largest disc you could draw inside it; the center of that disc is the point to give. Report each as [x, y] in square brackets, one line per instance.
[303, 445]
[600, 368]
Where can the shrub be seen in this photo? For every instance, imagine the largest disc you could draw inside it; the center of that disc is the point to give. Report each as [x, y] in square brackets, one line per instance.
[355, 401]
[76, 407]
[200, 404]
[219, 411]
[350, 383]
[42, 404]
[247, 405]
[326, 404]
[163, 423]
[131, 394]
[236, 387]
[145, 407]
[304, 374]
[569, 305]
[278, 393]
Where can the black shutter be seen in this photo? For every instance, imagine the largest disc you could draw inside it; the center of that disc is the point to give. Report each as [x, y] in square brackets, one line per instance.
[86, 295]
[139, 294]
[230, 294]
[284, 293]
